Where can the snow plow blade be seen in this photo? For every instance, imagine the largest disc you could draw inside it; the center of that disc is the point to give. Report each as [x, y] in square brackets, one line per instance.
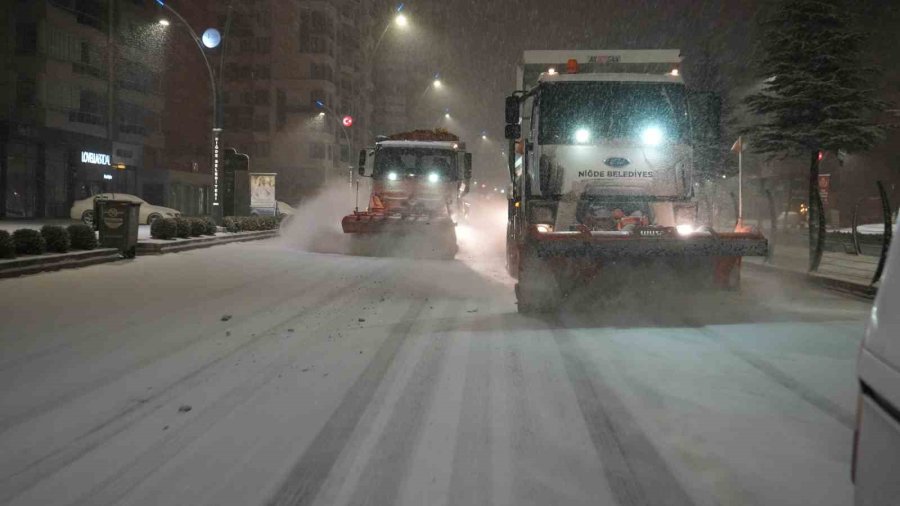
[376, 234]
[374, 223]
[603, 246]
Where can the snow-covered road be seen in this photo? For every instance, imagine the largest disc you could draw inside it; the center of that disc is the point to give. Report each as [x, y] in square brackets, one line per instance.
[257, 373]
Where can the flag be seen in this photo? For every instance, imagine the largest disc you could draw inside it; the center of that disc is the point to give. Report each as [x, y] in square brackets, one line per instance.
[738, 145]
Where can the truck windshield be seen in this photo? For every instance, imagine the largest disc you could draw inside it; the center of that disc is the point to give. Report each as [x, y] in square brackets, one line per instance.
[589, 112]
[415, 161]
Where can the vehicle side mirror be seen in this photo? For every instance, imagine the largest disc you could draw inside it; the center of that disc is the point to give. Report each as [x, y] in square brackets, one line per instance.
[362, 163]
[513, 132]
[512, 110]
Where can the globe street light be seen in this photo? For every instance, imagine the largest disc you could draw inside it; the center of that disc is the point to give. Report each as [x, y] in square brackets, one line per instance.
[401, 20]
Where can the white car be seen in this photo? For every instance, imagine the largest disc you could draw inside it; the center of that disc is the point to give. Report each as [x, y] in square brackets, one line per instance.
[285, 209]
[84, 209]
[876, 441]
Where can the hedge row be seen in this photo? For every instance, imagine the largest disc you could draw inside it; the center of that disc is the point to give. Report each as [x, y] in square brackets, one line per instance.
[50, 238]
[170, 228]
[250, 223]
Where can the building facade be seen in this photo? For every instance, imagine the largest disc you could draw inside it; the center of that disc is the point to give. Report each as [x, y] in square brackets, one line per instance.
[292, 71]
[82, 108]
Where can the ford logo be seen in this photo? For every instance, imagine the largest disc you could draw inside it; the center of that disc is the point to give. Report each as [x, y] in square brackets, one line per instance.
[616, 161]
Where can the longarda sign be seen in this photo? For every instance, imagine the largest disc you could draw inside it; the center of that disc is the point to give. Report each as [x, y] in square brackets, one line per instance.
[94, 158]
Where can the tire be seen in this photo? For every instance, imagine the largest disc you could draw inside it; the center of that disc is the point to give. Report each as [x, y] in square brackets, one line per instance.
[87, 217]
[152, 218]
[538, 289]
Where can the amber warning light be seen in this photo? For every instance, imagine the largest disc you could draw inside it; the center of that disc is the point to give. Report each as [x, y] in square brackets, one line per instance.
[572, 66]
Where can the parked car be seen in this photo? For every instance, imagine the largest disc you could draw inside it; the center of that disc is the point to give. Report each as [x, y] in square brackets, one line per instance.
[876, 440]
[84, 209]
[285, 209]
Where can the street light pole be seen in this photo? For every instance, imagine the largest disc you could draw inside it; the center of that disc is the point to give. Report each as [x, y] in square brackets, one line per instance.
[216, 117]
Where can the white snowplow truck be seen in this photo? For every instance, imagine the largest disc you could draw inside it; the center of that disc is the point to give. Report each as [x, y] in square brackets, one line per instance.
[601, 162]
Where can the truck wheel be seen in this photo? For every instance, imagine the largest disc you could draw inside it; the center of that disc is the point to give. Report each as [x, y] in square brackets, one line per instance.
[87, 217]
[538, 289]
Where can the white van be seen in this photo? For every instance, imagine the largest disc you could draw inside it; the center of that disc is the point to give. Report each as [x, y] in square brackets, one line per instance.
[876, 441]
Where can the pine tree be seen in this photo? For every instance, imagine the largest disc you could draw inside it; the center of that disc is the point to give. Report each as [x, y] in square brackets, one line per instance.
[817, 93]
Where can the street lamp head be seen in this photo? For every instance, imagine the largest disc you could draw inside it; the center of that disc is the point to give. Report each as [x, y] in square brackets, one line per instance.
[321, 114]
[401, 20]
[437, 83]
[447, 115]
[163, 22]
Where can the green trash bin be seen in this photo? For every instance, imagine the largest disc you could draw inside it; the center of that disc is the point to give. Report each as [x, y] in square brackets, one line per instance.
[117, 224]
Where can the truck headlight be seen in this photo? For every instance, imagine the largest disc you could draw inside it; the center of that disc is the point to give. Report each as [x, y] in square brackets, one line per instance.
[544, 229]
[434, 177]
[652, 136]
[392, 176]
[685, 229]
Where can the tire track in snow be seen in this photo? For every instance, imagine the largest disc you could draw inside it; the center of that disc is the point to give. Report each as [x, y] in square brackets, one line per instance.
[815, 399]
[636, 473]
[382, 478]
[303, 482]
[106, 429]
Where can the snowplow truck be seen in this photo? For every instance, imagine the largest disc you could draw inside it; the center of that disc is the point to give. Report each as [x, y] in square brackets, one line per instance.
[601, 161]
[418, 181]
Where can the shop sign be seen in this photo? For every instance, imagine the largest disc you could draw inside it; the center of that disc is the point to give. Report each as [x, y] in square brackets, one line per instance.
[94, 158]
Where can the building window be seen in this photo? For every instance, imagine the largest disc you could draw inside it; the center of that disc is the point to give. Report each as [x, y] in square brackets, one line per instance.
[26, 38]
[91, 13]
[261, 97]
[261, 71]
[280, 109]
[321, 71]
[90, 63]
[26, 92]
[317, 151]
[91, 108]
[261, 123]
[261, 149]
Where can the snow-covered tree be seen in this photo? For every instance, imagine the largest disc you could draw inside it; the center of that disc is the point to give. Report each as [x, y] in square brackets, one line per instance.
[817, 93]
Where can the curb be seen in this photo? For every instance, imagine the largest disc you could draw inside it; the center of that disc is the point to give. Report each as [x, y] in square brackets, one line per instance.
[57, 261]
[174, 246]
[840, 285]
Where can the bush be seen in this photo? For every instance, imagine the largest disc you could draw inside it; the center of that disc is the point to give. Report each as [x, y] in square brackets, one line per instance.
[210, 225]
[163, 228]
[7, 246]
[57, 238]
[268, 223]
[183, 227]
[82, 237]
[29, 242]
[198, 226]
[249, 223]
[231, 224]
